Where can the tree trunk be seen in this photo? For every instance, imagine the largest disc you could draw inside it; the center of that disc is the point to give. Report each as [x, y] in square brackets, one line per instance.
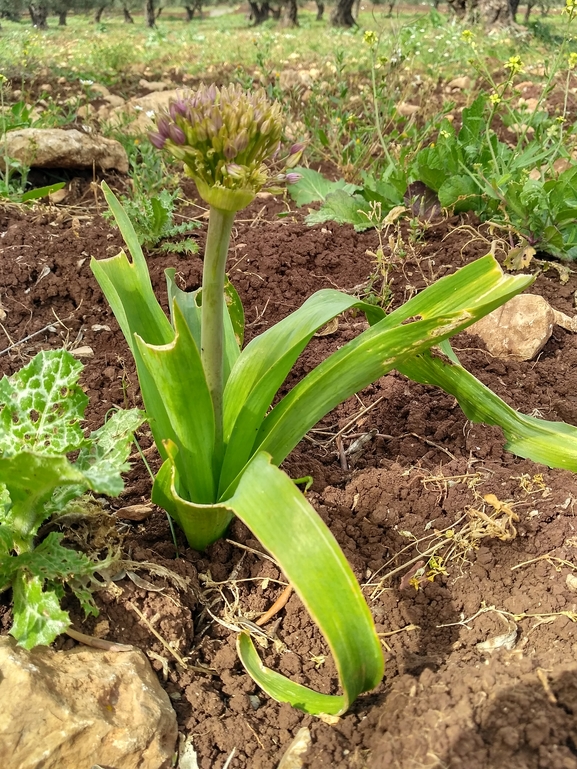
[98, 11]
[149, 13]
[514, 8]
[290, 13]
[192, 9]
[259, 14]
[127, 17]
[459, 7]
[342, 15]
[392, 5]
[320, 10]
[496, 13]
[39, 15]
[62, 18]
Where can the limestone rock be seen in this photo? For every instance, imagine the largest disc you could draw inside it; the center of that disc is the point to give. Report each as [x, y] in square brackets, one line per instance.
[294, 78]
[114, 100]
[462, 83]
[153, 85]
[75, 709]
[57, 148]
[406, 110]
[100, 89]
[142, 111]
[518, 329]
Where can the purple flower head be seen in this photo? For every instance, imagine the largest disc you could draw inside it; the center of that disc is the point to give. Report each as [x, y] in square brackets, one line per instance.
[293, 178]
[211, 128]
[296, 148]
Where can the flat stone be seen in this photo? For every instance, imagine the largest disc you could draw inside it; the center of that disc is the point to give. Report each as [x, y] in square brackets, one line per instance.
[74, 709]
[142, 111]
[462, 83]
[406, 110]
[518, 329]
[57, 148]
[153, 85]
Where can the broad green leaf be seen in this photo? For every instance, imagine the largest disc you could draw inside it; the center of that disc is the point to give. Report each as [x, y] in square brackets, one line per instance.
[190, 303]
[202, 524]
[446, 307]
[41, 192]
[551, 443]
[42, 405]
[264, 365]
[128, 289]
[268, 502]
[179, 379]
[460, 192]
[38, 618]
[343, 208]
[313, 186]
[235, 311]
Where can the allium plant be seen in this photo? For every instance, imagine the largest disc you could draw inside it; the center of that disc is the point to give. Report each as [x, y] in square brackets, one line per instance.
[209, 401]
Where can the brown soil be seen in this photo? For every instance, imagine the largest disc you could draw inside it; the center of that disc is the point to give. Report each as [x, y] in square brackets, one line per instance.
[443, 702]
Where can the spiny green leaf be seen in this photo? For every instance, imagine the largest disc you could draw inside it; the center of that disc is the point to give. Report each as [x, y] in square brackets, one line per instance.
[313, 187]
[42, 405]
[104, 458]
[38, 618]
[50, 560]
[343, 208]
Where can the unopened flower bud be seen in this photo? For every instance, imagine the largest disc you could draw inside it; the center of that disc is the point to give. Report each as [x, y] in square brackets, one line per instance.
[293, 178]
[176, 134]
[297, 148]
[156, 140]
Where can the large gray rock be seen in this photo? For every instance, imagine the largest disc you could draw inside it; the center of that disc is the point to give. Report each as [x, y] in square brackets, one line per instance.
[75, 709]
[57, 148]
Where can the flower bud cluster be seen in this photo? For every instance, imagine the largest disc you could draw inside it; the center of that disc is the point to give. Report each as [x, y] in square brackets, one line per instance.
[223, 136]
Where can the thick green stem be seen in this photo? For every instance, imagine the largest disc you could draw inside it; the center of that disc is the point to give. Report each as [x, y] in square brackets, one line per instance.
[212, 329]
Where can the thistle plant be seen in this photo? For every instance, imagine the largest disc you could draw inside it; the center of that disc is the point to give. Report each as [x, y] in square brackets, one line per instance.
[210, 401]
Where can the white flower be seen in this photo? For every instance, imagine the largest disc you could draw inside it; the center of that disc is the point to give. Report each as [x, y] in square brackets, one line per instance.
[150, 113]
[86, 82]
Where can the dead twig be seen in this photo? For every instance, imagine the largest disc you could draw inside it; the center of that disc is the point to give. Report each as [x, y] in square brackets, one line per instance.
[279, 604]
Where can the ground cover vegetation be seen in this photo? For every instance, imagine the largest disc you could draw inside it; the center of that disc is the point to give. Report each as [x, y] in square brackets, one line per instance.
[408, 120]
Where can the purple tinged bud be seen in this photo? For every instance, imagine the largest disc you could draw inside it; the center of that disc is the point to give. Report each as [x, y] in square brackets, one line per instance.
[229, 150]
[234, 170]
[163, 126]
[176, 134]
[178, 107]
[293, 178]
[241, 141]
[156, 140]
[216, 119]
[296, 148]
